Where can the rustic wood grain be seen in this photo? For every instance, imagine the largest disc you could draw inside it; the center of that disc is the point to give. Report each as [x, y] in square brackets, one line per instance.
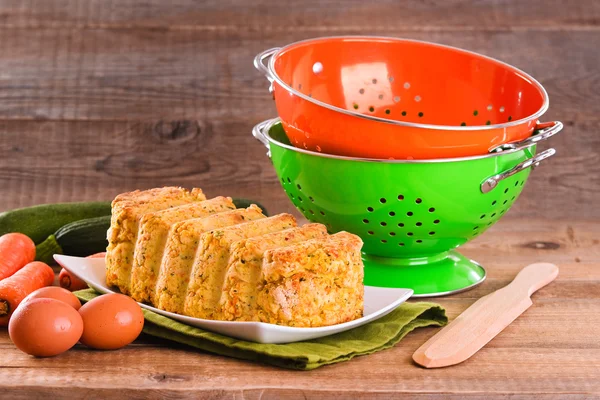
[327, 16]
[92, 160]
[100, 96]
[551, 351]
[112, 74]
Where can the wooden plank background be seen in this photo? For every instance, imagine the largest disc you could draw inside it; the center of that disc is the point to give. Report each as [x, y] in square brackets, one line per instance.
[98, 97]
[102, 96]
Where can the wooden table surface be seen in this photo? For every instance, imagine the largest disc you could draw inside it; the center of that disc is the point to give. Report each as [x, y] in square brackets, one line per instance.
[98, 97]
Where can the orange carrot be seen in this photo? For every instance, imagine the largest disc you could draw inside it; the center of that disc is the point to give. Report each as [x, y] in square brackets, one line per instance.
[71, 282]
[14, 289]
[16, 250]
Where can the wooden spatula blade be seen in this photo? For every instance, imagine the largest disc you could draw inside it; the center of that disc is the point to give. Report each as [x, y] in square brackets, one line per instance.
[487, 317]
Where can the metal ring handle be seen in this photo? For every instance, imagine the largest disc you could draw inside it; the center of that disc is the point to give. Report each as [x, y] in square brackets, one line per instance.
[490, 183]
[260, 65]
[259, 133]
[544, 131]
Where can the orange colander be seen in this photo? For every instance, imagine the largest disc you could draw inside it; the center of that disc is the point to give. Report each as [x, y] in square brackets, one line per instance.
[401, 99]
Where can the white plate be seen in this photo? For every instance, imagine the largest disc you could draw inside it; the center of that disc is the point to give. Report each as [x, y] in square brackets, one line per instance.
[378, 302]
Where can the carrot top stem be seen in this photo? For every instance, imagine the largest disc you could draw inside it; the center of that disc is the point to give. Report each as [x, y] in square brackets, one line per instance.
[4, 308]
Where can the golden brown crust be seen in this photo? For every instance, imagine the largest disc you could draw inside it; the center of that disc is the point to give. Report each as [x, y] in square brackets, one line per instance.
[127, 209]
[152, 237]
[181, 249]
[208, 272]
[314, 283]
[238, 298]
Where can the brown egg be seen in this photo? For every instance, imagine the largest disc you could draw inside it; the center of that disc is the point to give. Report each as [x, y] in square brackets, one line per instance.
[45, 327]
[57, 293]
[111, 321]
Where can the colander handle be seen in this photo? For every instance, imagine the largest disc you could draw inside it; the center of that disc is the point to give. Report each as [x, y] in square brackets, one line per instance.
[259, 62]
[259, 132]
[490, 183]
[544, 131]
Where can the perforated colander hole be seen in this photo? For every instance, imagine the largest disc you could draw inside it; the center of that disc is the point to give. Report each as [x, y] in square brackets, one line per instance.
[396, 99]
[406, 85]
[418, 201]
[475, 228]
[400, 197]
[392, 233]
[431, 209]
[509, 118]
[417, 98]
[318, 148]
[388, 111]
[419, 241]
[371, 108]
[361, 91]
[380, 97]
[463, 124]
[494, 202]
[322, 212]
[392, 213]
[383, 241]
[490, 224]
[311, 199]
[409, 234]
[419, 224]
[355, 106]
[489, 107]
[371, 232]
[400, 225]
[475, 113]
[506, 190]
[391, 79]
[437, 221]
[410, 214]
[366, 221]
[522, 183]
[370, 209]
[299, 187]
[382, 223]
[516, 183]
[488, 122]
[292, 195]
[493, 215]
[404, 113]
[382, 200]
[400, 244]
[300, 198]
[513, 198]
[312, 212]
[502, 109]
[420, 114]
[302, 209]
[482, 217]
[374, 81]
[432, 233]
[289, 181]
[505, 201]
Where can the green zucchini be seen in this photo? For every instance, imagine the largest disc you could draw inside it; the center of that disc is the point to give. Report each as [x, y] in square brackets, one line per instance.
[80, 238]
[38, 222]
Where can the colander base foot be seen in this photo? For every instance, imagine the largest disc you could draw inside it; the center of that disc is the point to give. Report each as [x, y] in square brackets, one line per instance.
[438, 275]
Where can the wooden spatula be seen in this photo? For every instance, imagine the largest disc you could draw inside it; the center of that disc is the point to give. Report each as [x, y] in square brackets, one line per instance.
[487, 317]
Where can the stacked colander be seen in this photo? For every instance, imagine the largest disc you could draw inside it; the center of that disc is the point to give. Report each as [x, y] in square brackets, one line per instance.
[415, 147]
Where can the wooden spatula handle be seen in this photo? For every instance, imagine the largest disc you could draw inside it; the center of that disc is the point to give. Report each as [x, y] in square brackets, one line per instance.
[534, 277]
[487, 317]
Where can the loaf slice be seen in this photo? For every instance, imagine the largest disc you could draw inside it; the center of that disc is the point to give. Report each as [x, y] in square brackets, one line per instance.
[127, 209]
[152, 237]
[314, 283]
[238, 298]
[208, 271]
[180, 251]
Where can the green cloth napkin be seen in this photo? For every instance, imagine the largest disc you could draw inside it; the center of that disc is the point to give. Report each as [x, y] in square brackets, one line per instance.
[375, 336]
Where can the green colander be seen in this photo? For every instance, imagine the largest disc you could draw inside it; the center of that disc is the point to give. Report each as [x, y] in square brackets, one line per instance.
[410, 214]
